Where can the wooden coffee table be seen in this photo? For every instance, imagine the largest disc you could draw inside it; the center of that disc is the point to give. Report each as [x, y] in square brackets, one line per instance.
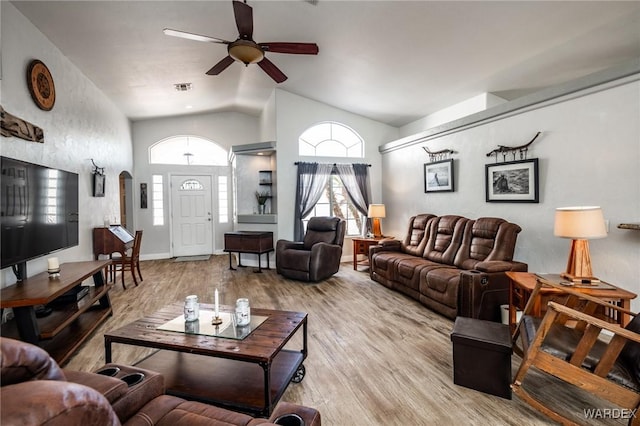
[248, 375]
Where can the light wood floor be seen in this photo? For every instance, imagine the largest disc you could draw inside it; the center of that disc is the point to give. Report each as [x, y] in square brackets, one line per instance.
[376, 357]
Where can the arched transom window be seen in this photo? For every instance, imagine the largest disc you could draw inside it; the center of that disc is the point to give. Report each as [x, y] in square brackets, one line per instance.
[330, 139]
[188, 150]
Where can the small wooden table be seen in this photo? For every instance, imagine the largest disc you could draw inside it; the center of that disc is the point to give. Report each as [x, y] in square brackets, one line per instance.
[248, 375]
[522, 285]
[361, 246]
[255, 242]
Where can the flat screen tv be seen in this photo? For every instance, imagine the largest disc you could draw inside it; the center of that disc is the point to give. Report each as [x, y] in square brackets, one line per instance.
[38, 213]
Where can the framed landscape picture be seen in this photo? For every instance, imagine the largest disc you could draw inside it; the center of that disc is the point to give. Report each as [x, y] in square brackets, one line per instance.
[512, 182]
[438, 176]
[98, 185]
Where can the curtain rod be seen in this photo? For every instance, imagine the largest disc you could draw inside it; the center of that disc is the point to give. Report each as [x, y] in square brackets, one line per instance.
[298, 162]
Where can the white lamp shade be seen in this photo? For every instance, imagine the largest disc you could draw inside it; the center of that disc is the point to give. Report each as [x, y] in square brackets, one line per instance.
[376, 210]
[580, 223]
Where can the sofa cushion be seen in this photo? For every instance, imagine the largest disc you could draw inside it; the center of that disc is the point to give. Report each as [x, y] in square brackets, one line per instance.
[487, 239]
[54, 403]
[445, 238]
[20, 362]
[321, 230]
[630, 354]
[416, 238]
[173, 411]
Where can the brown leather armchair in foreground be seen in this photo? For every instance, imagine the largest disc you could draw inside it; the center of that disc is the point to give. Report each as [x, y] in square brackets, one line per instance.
[35, 391]
[318, 256]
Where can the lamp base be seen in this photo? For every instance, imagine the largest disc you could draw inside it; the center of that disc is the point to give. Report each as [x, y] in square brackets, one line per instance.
[377, 231]
[579, 263]
[581, 280]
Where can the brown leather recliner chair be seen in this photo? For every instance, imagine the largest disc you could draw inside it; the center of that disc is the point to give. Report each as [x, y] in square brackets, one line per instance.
[318, 256]
[35, 391]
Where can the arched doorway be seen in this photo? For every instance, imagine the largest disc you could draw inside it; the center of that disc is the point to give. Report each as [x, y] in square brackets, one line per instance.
[126, 200]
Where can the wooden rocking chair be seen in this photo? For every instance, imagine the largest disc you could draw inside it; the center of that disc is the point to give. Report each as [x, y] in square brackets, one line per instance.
[567, 344]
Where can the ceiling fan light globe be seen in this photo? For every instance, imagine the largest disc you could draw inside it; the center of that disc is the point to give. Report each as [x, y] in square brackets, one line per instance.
[246, 53]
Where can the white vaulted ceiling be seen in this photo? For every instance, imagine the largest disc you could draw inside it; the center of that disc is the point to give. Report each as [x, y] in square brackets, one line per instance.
[392, 61]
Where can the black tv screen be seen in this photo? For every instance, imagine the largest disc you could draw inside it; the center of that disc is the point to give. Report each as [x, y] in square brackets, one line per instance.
[39, 211]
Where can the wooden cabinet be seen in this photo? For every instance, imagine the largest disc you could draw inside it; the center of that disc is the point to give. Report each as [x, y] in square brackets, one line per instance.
[256, 242]
[71, 321]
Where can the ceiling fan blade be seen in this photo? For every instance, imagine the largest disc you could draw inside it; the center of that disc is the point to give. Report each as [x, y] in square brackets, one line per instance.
[244, 19]
[273, 71]
[295, 48]
[192, 36]
[221, 66]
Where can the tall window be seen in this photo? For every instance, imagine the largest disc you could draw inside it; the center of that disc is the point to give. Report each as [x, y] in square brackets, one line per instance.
[331, 139]
[223, 200]
[335, 202]
[158, 209]
[189, 150]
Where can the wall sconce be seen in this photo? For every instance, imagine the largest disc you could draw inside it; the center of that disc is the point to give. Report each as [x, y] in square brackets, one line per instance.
[580, 224]
[376, 211]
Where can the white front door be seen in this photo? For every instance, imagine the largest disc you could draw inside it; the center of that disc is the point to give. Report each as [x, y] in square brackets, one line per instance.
[191, 210]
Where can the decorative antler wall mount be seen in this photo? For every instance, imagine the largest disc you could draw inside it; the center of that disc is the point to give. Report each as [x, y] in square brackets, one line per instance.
[504, 150]
[443, 154]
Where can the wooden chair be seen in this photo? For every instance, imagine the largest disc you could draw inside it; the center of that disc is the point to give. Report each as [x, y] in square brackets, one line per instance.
[130, 262]
[569, 343]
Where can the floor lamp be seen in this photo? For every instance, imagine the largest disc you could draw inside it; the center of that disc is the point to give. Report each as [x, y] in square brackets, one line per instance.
[580, 224]
[376, 211]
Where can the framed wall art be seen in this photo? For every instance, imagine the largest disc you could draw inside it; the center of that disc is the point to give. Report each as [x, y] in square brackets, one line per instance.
[98, 185]
[512, 182]
[438, 176]
[143, 195]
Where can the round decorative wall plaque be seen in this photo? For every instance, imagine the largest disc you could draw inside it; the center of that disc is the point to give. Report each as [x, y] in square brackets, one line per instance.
[41, 85]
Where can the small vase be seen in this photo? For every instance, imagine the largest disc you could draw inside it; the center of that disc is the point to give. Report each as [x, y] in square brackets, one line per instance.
[261, 208]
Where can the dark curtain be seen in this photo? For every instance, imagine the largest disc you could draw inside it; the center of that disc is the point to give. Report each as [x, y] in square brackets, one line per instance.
[311, 180]
[355, 178]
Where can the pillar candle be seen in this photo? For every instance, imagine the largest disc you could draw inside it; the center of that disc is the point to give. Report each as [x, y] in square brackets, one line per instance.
[216, 307]
[53, 263]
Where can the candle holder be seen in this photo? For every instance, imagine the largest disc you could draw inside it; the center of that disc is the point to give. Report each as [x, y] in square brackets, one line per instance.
[54, 274]
[216, 321]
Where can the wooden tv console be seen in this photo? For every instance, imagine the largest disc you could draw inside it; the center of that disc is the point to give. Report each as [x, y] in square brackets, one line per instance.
[69, 324]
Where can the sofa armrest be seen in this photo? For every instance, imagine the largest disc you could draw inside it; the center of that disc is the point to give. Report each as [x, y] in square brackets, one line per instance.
[112, 388]
[286, 245]
[385, 245]
[54, 402]
[482, 293]
[310, 416]
[501, 266]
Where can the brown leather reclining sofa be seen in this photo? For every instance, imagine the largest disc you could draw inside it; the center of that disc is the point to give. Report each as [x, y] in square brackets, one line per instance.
[35, 391]
[451, 264]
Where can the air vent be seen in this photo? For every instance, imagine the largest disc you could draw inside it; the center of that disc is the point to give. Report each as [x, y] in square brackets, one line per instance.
[183, 87]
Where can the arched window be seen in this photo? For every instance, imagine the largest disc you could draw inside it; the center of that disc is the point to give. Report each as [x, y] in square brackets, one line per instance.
[330, 139]
[189, 150]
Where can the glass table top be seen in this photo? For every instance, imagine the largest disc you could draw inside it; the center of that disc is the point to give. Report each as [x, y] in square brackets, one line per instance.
[202, 326]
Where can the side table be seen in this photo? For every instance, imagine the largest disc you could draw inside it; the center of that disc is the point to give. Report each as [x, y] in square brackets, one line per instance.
[361, 246]
[522, 285]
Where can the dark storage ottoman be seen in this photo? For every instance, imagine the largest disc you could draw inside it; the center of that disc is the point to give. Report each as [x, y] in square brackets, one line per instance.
[482, 356]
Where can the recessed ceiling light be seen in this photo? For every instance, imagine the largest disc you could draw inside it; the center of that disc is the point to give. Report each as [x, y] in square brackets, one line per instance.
[188, 106]
[183, 87]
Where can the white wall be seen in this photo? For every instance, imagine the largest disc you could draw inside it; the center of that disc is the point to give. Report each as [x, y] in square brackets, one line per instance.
[224, 128]
[83, 124]
[589, 154]
[462, 109]
[295, 114]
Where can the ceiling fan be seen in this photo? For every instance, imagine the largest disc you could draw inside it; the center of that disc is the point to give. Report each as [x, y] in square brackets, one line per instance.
[244, 49]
